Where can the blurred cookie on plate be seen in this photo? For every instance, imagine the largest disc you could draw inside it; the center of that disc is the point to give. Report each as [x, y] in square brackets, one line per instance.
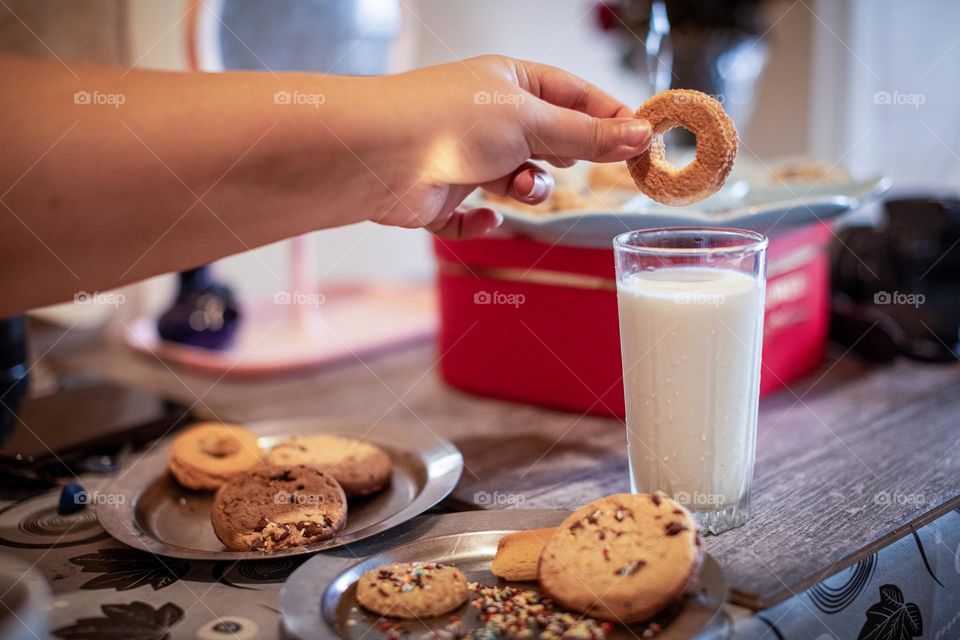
[806, 170]
[207, 455]
[562, 199]
[612, 176]
[412, 590]
[361, 468]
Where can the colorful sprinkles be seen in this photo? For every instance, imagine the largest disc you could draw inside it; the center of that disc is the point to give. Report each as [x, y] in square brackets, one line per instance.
[511, 612]
[407, 577]
[502, 612]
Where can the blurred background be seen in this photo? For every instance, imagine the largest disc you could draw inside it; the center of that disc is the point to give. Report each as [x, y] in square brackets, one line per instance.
[834, 77]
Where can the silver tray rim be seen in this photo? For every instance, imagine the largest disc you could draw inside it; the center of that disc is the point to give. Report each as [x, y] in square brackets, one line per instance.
[304, 591]
[442, 461]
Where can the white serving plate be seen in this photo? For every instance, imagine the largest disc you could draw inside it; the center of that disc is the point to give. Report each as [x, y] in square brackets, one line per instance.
[751, 199]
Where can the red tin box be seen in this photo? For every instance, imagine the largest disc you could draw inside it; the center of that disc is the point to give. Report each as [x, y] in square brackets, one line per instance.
[536, 323]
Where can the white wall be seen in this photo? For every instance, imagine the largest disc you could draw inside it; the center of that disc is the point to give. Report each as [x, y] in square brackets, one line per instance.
[558, 32]
[893, 70]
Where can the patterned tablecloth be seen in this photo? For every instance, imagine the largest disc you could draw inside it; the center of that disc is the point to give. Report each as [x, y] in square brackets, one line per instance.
[104, 590]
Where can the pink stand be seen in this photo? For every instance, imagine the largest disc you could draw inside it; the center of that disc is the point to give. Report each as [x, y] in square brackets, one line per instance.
[277, 336]
[307, 327]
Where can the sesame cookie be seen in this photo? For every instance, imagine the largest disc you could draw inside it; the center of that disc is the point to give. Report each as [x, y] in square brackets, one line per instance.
[717, 142]
[278, 507]
[412, 590]
[622, 558]
[207, 455]
[360, 467]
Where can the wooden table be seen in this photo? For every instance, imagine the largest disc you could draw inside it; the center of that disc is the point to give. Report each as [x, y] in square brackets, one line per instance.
[848, 460]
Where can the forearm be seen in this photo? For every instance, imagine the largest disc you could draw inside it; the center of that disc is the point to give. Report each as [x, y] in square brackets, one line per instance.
[162, 171]
[142, 173]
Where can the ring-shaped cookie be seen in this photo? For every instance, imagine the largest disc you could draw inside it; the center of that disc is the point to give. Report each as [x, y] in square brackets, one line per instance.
[207, 455]
[717, 141]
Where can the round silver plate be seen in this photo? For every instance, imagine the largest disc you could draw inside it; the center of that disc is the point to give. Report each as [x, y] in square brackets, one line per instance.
[24, 598]
[146, 509]
[319, 599]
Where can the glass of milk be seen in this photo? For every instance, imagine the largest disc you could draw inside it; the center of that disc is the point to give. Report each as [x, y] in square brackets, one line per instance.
[691, 326]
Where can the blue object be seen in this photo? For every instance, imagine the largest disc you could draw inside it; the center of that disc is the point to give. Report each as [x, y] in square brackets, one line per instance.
[205, 313]
[73, 498]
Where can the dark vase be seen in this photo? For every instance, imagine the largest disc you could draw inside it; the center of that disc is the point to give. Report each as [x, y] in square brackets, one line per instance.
[204, 314]
[681, 45]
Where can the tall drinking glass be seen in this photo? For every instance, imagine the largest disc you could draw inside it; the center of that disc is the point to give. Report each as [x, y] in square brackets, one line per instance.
[691, 326]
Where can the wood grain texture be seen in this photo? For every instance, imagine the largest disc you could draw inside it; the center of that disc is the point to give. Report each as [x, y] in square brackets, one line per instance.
[847, 461]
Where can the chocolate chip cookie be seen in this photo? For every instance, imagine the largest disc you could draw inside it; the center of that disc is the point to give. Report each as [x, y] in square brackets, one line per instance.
[277, 507]
[360, 467]
[622, 558]
[412, 590]
[207, 455]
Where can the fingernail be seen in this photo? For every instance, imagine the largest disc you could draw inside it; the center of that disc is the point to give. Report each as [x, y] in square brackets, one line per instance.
[635, 132]
[541, 187]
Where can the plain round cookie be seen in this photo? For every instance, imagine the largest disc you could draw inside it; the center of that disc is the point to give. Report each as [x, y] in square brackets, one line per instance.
[717, 142]
[412, 590]
[622, 558]
[360, 467]
[207, 455]
[613, 176]
[278, 507]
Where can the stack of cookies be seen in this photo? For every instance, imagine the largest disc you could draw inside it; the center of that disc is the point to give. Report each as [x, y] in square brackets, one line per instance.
[295, 493]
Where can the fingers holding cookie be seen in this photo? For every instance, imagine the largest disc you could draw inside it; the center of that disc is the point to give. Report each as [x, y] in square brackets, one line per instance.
[717, 144]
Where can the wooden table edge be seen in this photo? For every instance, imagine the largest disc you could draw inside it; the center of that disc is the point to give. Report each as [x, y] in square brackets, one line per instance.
[755, 603]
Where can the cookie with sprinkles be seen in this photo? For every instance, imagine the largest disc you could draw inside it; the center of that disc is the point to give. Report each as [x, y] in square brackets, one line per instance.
[412, 590]
[622, 558]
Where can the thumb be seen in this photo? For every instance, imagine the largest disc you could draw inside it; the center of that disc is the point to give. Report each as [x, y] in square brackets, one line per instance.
[570, 134]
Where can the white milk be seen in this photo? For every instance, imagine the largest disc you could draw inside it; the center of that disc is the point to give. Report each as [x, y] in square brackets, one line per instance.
[690, 338]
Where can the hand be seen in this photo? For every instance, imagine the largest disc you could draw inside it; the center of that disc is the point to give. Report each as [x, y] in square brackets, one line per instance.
[478, 123]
